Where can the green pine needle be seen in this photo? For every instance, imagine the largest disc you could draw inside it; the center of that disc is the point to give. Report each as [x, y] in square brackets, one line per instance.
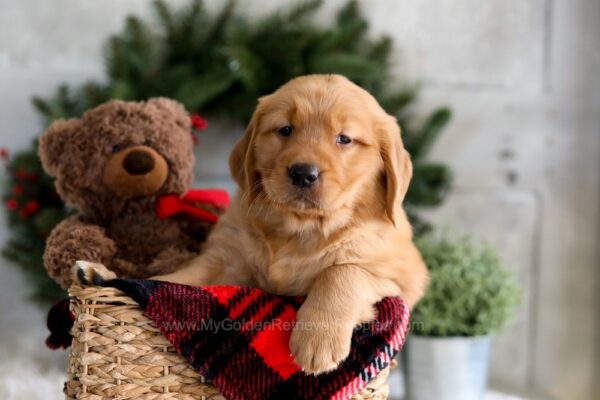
[420, 143]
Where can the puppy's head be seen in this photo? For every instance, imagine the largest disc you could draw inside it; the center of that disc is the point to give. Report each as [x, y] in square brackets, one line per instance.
[320, 144]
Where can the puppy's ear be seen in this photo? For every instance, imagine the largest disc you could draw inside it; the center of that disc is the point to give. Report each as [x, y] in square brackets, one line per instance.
[52, 145]
[241, 160]
[398, 167]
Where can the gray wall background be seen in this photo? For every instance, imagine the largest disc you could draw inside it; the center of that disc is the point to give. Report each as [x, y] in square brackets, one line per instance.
[523, 80]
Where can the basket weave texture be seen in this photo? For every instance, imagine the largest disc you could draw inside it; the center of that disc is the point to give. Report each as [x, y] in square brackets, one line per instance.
[118, 353]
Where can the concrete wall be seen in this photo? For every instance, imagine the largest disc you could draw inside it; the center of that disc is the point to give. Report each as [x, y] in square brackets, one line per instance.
[523, 80]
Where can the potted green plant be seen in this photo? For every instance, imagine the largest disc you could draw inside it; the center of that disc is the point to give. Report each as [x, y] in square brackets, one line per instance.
[471, 297]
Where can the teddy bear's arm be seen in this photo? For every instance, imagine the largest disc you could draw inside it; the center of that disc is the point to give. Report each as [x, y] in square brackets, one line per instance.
[74, 240]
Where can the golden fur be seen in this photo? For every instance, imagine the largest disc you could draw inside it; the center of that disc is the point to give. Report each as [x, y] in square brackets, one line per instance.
[345, 243]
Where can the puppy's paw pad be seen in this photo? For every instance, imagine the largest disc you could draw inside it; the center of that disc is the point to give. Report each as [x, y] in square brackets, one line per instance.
[89, 273]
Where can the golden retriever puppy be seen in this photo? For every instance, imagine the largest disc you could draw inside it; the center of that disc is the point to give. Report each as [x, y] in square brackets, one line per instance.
[322, 173]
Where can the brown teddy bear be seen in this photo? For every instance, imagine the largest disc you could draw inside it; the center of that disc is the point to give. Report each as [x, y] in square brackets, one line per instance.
[115, 166]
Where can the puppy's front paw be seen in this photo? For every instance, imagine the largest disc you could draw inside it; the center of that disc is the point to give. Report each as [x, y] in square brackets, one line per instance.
[319, 346]
[89, 273]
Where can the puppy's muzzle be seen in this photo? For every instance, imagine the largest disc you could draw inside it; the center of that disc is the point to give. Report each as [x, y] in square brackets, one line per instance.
[304, 175]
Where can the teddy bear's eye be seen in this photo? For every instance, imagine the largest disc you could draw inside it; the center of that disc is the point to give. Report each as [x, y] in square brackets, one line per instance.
[116, 148]
[147, 142]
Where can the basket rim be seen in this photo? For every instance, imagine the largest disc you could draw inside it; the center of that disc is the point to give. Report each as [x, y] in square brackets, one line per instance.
[100, 294]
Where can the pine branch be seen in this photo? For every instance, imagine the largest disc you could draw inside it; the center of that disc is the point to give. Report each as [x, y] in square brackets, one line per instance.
[381, 50]
[419, 225]
[139, 53]
[419, 144]
[246, 66]
[351, 24]
[42, 106]
[396, 103]
[303, 9]
[95, 94]
[165, 17]
[220, 24]
[289, 20]
[197, 92]
[114, 56]
[429, 186]
[191, 16]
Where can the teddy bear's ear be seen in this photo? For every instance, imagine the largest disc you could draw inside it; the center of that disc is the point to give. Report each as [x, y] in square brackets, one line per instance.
[173, 108]
[52, 144]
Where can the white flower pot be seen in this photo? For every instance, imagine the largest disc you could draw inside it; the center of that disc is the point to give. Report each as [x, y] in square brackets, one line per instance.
[452, 368]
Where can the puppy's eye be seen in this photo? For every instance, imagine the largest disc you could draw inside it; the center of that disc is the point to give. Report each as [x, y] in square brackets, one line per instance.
[116, 148]
[286, 131]
[343, 139]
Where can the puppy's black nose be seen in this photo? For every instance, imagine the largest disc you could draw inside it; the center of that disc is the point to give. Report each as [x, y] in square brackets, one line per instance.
[138, 162]
[303, 175]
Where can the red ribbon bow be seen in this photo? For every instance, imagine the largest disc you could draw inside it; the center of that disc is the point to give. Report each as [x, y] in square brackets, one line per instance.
[171, 204]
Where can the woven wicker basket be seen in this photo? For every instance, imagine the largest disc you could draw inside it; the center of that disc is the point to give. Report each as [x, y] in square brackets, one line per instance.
[118, 353]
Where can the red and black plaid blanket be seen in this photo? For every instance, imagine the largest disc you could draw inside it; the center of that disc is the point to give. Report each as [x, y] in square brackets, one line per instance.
[238, 338]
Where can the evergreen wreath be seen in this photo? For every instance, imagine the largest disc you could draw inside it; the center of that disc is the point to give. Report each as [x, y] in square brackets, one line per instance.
[220, 64]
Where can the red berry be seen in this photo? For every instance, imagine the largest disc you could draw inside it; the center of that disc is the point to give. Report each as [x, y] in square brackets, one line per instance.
[198, 122]
[32, 207]
[12, 204]
[21, 173]
[18, 190]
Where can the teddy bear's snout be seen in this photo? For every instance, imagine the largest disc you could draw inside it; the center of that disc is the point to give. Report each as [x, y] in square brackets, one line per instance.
[138, 162]
[135, 171]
